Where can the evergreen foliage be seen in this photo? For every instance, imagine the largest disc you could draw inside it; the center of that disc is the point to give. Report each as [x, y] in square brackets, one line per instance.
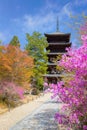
[15, 41]
[36, 47]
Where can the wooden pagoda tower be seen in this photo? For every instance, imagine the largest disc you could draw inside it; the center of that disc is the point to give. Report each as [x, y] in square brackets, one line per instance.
[57, 46]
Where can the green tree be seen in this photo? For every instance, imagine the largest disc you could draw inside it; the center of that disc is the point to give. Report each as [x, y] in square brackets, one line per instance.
[15, 41]
[36, 47]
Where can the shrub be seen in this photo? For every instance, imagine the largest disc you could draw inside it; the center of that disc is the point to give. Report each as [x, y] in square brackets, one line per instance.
[9, 92]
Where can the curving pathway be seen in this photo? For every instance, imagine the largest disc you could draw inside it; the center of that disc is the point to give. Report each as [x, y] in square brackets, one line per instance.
[41, 119]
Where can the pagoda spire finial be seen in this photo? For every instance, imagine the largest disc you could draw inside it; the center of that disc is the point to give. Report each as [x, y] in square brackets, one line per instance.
[57, 25]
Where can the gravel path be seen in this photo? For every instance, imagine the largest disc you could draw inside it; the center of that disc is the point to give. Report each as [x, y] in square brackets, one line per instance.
[41, 119]
[9, 119]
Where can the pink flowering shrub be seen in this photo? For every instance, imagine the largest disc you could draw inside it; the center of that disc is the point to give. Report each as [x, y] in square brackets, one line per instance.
[45, 88]
[74, 92]
[9, 92]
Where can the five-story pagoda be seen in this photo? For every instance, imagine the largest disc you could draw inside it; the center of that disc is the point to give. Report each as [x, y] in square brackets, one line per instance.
[57, 46]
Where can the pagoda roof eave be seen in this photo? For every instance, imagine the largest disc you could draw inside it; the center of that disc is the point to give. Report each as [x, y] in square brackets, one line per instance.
[61, 43]
[57, 75]
[57, 34]
[52, 64]
[56, 53]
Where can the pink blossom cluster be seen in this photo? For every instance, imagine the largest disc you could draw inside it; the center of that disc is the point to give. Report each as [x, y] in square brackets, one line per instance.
[10, 90]
[73, 93]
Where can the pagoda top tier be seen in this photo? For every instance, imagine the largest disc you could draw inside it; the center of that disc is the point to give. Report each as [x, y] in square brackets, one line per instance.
[57, 37]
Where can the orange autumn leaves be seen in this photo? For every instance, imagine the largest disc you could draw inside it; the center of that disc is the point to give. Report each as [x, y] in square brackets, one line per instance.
[15, 65]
